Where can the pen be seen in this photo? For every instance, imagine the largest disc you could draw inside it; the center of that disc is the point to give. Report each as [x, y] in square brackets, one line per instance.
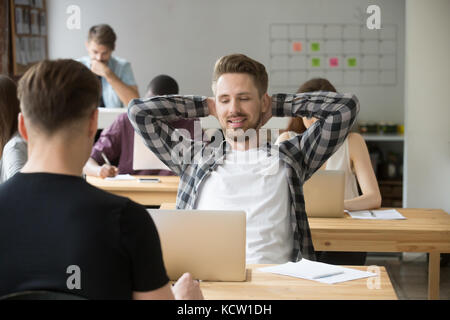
[328, 275]
[149, 180]
[106, 159]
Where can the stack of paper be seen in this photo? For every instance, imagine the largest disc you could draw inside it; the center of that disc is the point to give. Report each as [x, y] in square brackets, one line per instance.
[377, 215]
[317, 271]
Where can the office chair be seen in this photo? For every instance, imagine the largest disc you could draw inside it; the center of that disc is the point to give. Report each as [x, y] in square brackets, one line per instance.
[40, 295]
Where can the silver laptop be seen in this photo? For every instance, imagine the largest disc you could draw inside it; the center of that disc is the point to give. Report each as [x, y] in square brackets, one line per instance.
[144, 158]
[208, 244]
[324, 194]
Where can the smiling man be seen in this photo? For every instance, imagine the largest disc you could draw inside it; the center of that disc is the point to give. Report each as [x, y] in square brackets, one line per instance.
[118, 83]
[246, 172]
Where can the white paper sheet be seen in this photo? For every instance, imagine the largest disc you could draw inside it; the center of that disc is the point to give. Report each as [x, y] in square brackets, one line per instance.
[377, 215]
[121, 177]
[317, 271]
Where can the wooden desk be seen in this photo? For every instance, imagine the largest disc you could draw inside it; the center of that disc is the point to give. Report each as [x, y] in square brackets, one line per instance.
[425, 230]
[168, 206]
[147, 194]
[267, 286]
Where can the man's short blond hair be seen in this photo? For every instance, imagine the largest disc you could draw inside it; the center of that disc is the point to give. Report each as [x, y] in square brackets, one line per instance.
[239, 63]
[104, 35]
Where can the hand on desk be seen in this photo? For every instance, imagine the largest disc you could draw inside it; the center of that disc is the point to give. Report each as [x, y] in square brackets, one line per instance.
[108, 171]
[187, 289]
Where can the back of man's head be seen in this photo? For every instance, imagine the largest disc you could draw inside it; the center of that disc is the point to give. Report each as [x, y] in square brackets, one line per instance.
[162, 85]
[56, 94]
[103, 34]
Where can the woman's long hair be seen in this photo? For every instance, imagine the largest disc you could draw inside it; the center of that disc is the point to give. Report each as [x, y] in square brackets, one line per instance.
[9, 110]
[296, 124]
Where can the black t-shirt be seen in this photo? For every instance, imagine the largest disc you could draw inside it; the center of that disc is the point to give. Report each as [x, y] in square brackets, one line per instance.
[50, 223]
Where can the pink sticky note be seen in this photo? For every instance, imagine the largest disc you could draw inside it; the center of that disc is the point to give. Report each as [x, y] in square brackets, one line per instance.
[297, 46]
[334, 62]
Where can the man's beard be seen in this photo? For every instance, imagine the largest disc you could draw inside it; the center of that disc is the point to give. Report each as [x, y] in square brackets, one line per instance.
[238, 135]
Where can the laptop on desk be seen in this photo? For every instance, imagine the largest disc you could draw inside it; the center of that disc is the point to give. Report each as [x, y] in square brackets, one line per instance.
[144, 158]
[324, 194]
[208, 244]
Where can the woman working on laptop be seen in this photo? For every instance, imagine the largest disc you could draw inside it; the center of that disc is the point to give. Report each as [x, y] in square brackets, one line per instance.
[352, 158]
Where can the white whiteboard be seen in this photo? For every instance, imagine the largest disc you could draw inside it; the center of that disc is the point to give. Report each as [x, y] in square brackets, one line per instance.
[184, 38]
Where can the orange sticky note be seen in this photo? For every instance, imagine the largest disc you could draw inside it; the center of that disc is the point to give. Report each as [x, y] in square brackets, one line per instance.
[297, 46]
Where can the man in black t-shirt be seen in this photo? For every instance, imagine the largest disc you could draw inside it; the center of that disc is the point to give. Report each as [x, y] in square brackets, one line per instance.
[59, 233]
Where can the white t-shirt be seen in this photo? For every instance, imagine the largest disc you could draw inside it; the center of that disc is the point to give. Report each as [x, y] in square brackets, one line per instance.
[340, 160]
[253, 182]
[14, 157]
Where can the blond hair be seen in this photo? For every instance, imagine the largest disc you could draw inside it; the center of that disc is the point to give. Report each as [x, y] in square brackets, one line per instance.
[239, 63]
[104, 35]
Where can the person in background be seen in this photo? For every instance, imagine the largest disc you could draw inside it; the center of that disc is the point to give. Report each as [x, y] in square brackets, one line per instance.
[117, 141]
[13, 149]
[58, 232]
[118, 83]
[352, 158]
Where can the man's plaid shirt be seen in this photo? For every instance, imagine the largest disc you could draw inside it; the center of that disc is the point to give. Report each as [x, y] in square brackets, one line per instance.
[302, 155]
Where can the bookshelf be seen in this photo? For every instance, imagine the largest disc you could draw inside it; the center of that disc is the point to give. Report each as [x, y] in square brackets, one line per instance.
[29, 40]
[4, 37]
[387, 153]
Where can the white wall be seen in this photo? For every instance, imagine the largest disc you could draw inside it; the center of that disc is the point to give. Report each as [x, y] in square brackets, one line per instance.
[183, 38]
[428, 104]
